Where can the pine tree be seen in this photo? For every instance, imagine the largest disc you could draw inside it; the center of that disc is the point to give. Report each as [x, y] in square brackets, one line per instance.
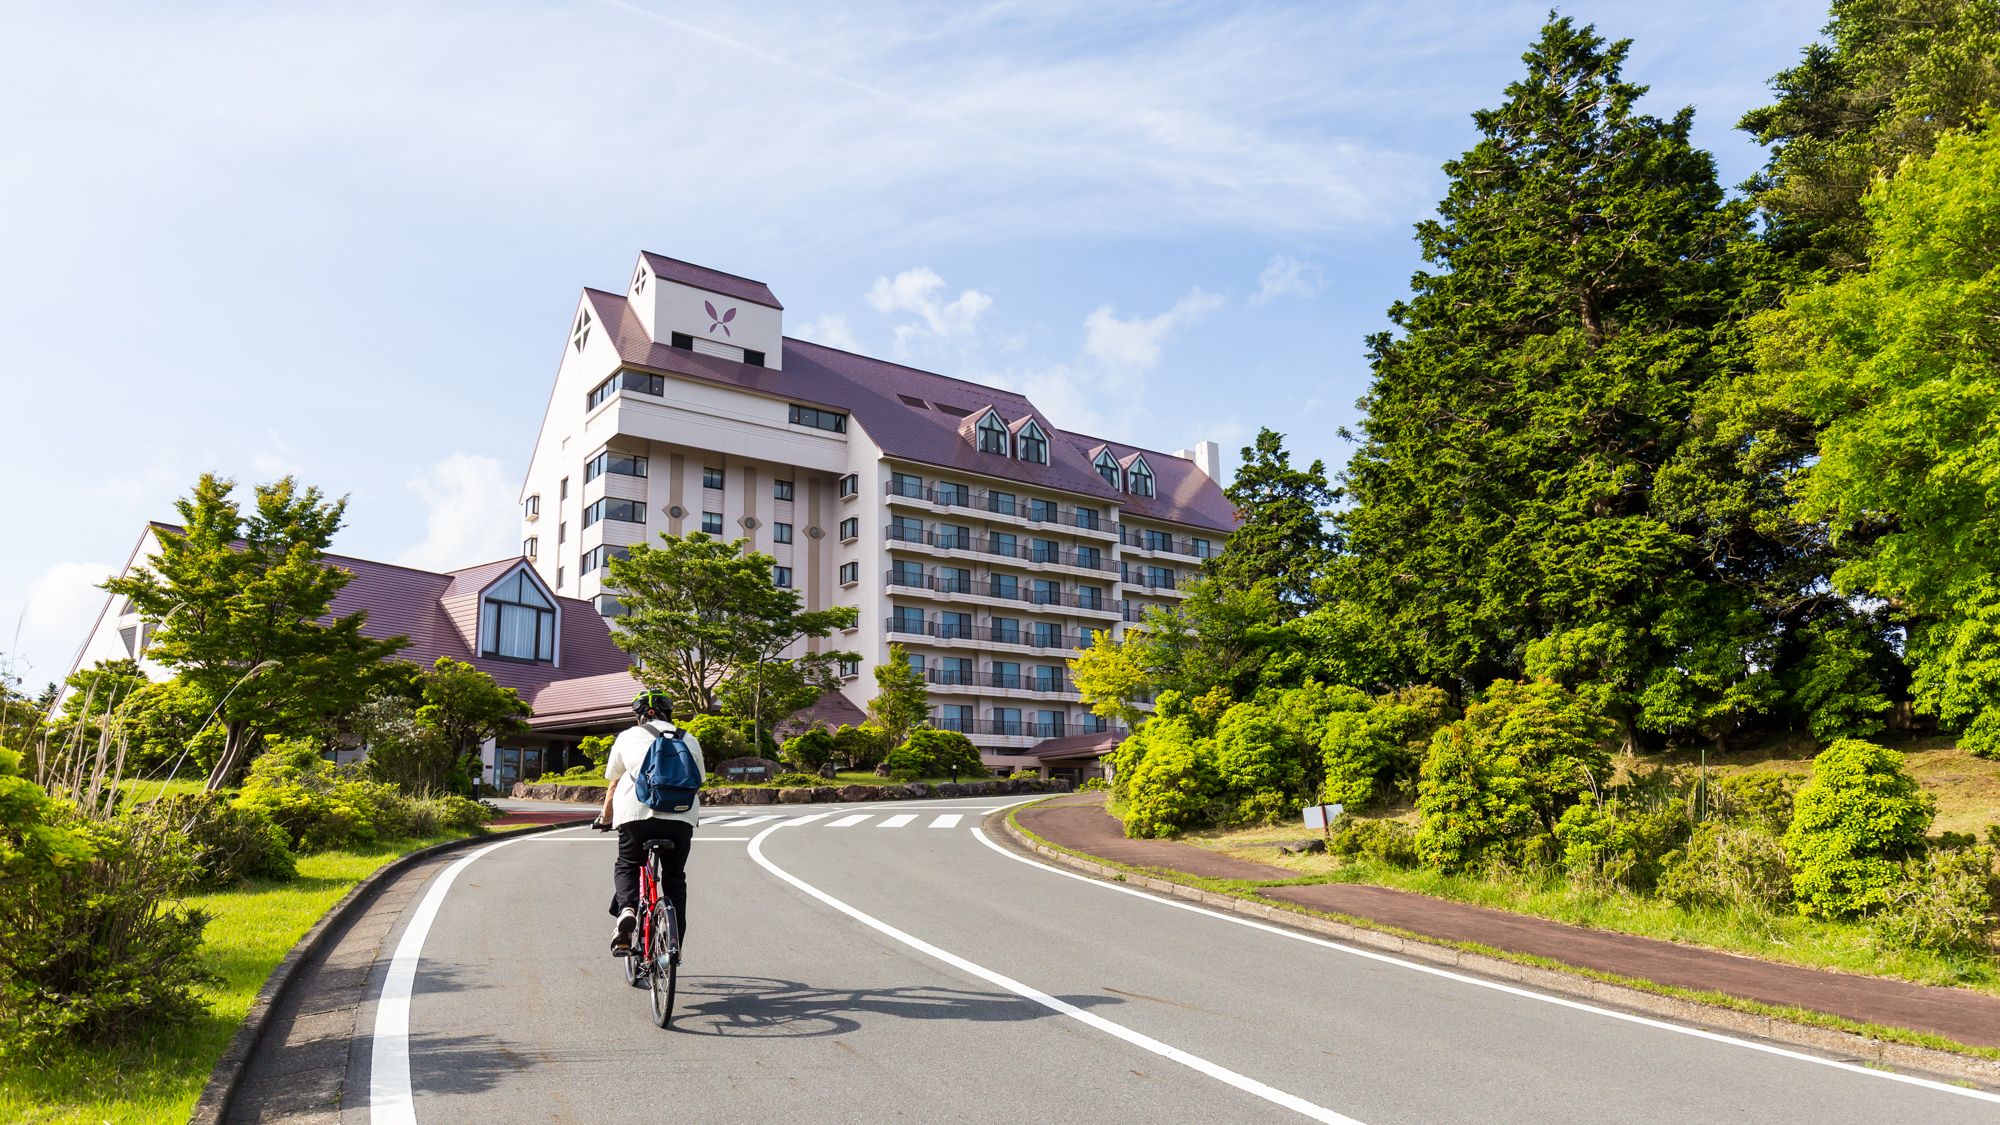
[1547, 369]
[1283, 538]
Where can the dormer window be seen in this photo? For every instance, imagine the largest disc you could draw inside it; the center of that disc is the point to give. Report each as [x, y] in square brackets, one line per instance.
[1139, 478]
[992, 434]
[580, 335]
[517, 621]
[1107, 467]
[1033, 444]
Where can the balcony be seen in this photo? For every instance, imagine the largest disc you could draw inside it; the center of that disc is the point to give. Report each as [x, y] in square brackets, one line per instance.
[1000, 681]
[1051, 640]
[999, 589]
[1161, 543]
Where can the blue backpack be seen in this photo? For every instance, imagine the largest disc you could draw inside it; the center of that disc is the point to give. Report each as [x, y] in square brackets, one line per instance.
[670, 779]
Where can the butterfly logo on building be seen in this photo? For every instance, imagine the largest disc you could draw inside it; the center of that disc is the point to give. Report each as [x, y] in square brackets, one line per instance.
[718, 319]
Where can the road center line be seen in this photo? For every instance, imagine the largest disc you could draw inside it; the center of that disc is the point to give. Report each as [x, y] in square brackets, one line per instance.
[1090, 1019]
[1577, 1005]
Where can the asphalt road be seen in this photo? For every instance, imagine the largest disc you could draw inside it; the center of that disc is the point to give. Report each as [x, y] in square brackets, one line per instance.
[865, 967]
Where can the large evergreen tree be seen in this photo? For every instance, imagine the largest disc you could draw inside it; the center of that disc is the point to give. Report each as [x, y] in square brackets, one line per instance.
[1283, 538]
[1504, 516]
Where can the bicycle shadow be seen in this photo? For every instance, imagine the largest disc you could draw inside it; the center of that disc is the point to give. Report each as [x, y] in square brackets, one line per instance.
[767, 1007]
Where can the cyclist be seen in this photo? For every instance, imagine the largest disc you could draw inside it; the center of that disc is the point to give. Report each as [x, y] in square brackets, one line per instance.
[637, 824]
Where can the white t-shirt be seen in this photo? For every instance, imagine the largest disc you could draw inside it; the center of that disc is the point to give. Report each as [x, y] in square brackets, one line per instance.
[621, 769]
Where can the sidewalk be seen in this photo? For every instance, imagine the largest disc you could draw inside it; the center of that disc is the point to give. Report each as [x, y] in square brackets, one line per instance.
[1080, 824]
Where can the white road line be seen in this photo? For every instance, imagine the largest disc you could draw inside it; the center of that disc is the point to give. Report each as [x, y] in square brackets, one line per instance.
[897, 821]
[849, 821]
[1090, 1019]
[753, 820]
[948, 820]
[720, 819]
[389, 1099]
[1577, 1005]
[797, 820]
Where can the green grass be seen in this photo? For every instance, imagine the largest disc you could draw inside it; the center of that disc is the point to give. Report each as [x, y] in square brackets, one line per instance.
[253, 927]
[1248, 889]
[136, 790]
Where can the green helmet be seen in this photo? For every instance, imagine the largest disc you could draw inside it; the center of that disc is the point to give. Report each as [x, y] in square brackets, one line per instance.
[650, 700]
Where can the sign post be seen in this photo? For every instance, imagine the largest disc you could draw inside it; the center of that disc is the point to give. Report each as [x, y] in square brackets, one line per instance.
[1322, 817]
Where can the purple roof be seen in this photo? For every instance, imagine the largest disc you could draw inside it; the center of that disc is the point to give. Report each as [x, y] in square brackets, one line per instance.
[1076, 746]
[868, 390]
[439, 614]
[715, 281]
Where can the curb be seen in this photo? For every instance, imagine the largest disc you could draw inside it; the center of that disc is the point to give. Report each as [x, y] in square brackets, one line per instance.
[1844, 1045]
[220, 1092]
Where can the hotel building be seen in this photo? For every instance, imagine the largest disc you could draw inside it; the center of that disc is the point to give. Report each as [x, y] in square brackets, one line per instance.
[958, 519]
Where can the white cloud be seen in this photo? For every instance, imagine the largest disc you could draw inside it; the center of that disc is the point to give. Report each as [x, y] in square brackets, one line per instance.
[831, 330]
[921, 291]
[61, 605]
[1136, 343]
[1286, 276]
[471, 502]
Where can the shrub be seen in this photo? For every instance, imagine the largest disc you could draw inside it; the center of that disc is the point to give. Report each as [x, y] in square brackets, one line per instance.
[1558, 740]
[1472, 799]
[1387, 841]
[1615, 841]
[943, 751]
[318, 804]
[1944, 903]
[444, 814]
[719, 738]
[1760, 797]
[1356, 755]
[1853, 823]
[1174, 786]
[907, 763]
[809, 750]
[1259, 763]
[862, 747]
[1727, 865]
[93, 948]
[228, 842]
[794, 780]
[1091, 784]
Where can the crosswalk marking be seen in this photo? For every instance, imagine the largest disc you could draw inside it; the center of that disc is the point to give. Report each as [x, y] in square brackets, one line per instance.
[948, 820]
[754, 820]
[719, 819]
[898, 820]
[849, 821]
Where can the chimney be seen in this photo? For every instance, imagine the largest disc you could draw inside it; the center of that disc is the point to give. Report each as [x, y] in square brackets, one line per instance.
[1208, 458]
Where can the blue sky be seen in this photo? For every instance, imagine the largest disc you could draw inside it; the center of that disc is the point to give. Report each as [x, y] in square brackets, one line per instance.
[344, 240]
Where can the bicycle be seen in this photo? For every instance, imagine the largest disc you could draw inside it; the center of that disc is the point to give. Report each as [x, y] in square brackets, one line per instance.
[654, 961]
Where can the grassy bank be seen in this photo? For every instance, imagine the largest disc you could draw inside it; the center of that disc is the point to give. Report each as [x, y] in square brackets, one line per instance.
[251, 930]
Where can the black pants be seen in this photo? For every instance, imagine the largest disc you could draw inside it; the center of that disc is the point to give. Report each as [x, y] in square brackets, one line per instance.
[632, 837]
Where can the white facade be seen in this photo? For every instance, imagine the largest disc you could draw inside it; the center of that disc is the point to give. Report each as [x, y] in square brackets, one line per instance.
[990, 582]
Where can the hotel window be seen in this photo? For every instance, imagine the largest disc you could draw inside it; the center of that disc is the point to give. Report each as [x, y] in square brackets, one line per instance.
[1044, 591]
[1042, 511]
[781, 577]
[612, 508]
[1006, 720]
[850, 669]
[952, 495]
[1004, 586]
[655, 385]
[1048, 724]
[562, 533]
[1090, 597]
[781, 490]
[1139, 479]
[907, 529]
[992, 434]
[1048, 634]
[1107, 467]
[953, 537]
[955, 670]
[598, 558]
[850, 529]
[528, 546]
[1033, 444]
[609, 606]
[1006, 674]
[916, 660]
[753, 358]
[1089, 558]
[903, 572]
[955, 716]
[1200, 548]
[849, 485]
[1044, 550]
[1048, 677]
[559, 578]
[904, 619]
[954, 625]
[818, 419]
[781, 533]
[1095, 724]
[1001, 502]
[1087, 518]
[680, 340]
[624, 464]
[711, 477]
[1006, 630]
[711, 523]
[850, 573]
[517, 621]
[532, 506]
[1001, 543]
[905, 484]
[953, 580]
[562, 490]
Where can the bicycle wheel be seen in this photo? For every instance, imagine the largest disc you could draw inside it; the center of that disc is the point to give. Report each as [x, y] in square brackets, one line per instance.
[663, 952]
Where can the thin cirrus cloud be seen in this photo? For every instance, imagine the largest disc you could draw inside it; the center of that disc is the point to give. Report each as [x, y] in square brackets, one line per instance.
[1136, 343]
[920, 292]
[469, 513]
[1286, 276]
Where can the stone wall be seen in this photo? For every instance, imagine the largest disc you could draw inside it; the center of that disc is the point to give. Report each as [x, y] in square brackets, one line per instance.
[818, 794]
